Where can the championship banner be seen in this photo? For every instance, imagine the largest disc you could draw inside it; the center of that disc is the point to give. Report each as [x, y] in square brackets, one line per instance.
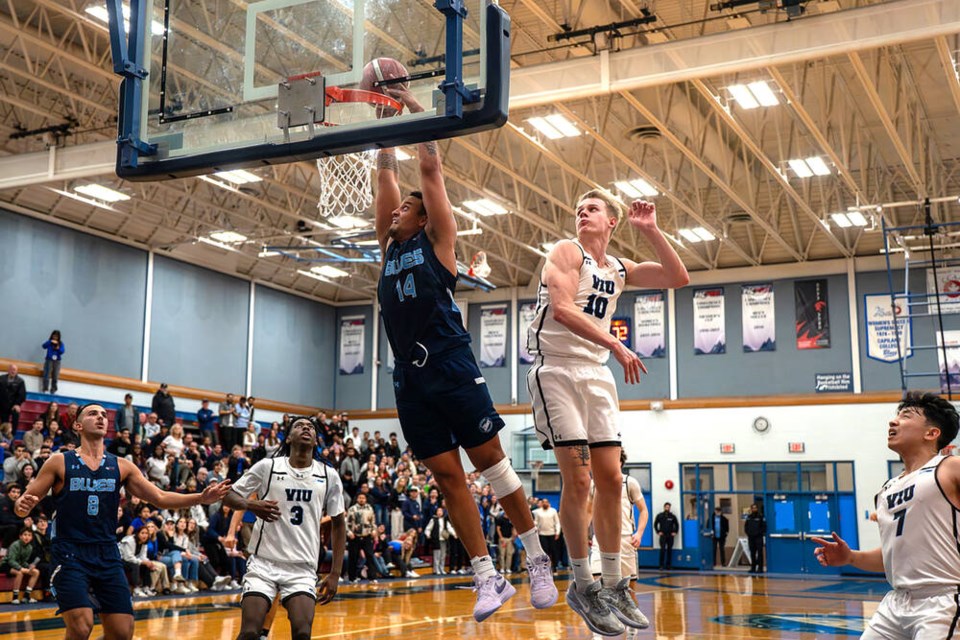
[351, 345]
[950, 339]
[759, 327]
[813, 316]
[493, 336]
[949, 290]
[649, 335]
[527, 312]
[882, 337]
[709, 324]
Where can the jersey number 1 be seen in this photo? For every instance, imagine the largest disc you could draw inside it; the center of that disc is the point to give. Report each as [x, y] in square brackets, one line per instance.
[409, 289]
[900, 517]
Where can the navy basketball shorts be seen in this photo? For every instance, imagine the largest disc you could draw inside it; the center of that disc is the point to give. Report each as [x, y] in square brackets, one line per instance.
[89, 576]
[444, 404]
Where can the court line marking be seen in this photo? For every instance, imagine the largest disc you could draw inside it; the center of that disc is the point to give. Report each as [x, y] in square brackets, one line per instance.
[415, 623]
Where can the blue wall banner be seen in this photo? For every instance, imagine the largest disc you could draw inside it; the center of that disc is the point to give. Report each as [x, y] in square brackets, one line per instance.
[650, 326]
[882, 338]
[709, 324]
[493, 336]
[759, 326]
[351, 345]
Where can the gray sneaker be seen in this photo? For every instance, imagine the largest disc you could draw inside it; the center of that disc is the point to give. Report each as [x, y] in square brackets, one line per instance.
[594, 610]
[621, 602]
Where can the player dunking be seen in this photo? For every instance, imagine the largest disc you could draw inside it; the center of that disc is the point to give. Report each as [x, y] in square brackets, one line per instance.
[574, 397]
[86, 486]
[442, 399]
[286, 549]
[917, 512]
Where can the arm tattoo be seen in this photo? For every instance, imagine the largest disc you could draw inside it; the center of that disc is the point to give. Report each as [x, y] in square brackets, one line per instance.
[583, 453]
[387, 161]
[431, 147]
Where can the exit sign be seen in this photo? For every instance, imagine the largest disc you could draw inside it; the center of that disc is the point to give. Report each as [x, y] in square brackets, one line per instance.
[728, 447]
[796, 447]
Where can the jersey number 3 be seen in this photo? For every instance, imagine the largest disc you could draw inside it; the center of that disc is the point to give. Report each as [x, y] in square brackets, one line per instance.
[296, 515]
[409, 288]
[900, 517]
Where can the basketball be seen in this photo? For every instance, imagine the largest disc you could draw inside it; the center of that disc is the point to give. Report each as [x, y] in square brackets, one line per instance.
[383, 69]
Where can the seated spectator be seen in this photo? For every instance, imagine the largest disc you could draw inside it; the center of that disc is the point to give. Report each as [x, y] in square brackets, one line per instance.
[33, 439]
[237, 464]
[51, 414]
[150, 429]
[153, 553]
[6, 437]
[249, 437]
[142, 573]
[226, 563]
[21, 566]
[158, 468]
[26, 475]
[68, 417]
[173, 443]
[185, 569]
[11, 466]
[206, 575]
[121, 446]
[272, 441]
[69, 438]
[259, 452]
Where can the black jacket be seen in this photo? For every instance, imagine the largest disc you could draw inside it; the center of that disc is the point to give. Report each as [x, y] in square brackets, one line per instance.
[666, 523]
[724, 526]
[12, 391]
[164, 408]
[755, 525]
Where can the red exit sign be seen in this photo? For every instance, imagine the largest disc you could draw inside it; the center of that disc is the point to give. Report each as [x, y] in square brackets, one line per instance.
[728, 447]
[796, 447]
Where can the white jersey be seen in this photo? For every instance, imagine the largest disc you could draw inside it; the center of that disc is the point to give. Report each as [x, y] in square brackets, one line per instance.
[918, 531]
[304, 496]
[597, 293]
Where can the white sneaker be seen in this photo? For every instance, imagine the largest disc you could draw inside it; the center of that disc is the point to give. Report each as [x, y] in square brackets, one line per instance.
[192, 588]
[15, 601]
[233, 584]
[138, 592]
[179, 589]
[220, 583]
[149, 591]
[411, 574]
[178, 577]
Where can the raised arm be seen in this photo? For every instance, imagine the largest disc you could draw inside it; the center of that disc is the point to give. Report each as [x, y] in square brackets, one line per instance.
[388, 193]
[561, 273]
[51, 474]
[139, 486]
[669, 273]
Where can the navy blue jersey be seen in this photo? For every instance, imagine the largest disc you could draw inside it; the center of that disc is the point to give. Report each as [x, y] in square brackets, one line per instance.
[86, 507]
[416, 302]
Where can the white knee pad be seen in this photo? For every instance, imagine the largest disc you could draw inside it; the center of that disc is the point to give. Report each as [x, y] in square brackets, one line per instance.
[502, 478]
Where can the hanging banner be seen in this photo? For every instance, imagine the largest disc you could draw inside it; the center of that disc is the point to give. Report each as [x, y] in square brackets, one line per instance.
[351, 345]
[813, 316]
[527, 312]
[949, 290]
[882, 337]
[649, 336]
[709, 325]
[951, 341]
[759, 330]
[493, 336]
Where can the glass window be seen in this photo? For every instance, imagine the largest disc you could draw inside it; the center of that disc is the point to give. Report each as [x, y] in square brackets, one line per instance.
[642, 474]
[748, 477]
[896, 467]
[782, 476]
[844, 476]
[690, 477]
[816, 476]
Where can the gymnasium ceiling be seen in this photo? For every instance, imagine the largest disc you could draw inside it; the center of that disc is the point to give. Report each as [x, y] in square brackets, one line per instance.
[883, 119]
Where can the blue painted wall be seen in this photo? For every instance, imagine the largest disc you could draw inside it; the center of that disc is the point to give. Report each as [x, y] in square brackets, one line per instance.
[353, 391]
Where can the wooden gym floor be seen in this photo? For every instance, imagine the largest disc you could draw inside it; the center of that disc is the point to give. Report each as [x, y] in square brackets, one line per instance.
[681, 606]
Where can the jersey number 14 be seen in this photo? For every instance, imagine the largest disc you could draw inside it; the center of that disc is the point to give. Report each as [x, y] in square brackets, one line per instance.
[409, 288]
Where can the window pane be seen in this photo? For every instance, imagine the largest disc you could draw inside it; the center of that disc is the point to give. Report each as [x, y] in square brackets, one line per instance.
[844, 476]
[816, 476]
[642, 474]
[782, 476]
[748, 477]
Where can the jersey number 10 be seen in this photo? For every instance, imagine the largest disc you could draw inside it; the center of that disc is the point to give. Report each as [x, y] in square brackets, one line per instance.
[596, 306]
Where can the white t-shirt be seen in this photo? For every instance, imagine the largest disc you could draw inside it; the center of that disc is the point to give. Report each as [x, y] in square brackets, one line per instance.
[304, 496]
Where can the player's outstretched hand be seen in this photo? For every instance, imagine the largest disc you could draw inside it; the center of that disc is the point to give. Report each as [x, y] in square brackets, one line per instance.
[327, 589]
[214, 492]
[266, 510]
[631, 363]
[832, 553]
[405, 96]
[25, 504]
[643, 215]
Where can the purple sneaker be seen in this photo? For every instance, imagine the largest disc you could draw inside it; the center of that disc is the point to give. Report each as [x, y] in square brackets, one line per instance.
[491, 594]
[543, 593]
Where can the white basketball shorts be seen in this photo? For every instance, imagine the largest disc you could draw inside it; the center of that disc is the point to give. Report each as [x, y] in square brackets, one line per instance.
[574, 403]
[268, 578]
[929, 614]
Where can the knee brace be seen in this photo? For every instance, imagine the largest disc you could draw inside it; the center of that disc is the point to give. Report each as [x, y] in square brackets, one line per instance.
[502, 478]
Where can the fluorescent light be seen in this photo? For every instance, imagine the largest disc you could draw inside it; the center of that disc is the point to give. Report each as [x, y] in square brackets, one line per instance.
[329, 271]
[348, 222]
[367, 243]
[238, 176]
[856, 218]
[79, 198]
[703, 234]
[229, 237]
[841, 220]
[268, 253]
[100, 192]
[543, 126]
[100, 13]
[800, 168]
[485, 207]
[403, 155]
[764, 94]
[214, 243]
[689, 235]
[637, 188]
[564, 126]
[744, 97]
[473, 231]
[818, 166]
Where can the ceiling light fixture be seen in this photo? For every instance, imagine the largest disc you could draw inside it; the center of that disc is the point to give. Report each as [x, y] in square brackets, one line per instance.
[329, 271]
[349, 222]
[238, 176]
[228, 237]
[812, 166]
[852, 218]
[636, 188]
[473, 231]
[214, 243]
[485, 207]
[696, 234]
[554, 126]
[101, 193]
[100, 13]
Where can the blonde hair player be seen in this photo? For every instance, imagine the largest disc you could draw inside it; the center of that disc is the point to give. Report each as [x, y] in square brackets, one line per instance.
[917, 516]
[574, 397]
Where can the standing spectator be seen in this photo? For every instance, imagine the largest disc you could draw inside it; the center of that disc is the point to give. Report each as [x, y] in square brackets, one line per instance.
[51, 362]
[505, 536]
[412, 511]
[18, 559]
[228, 420]
[667, 526]
[721, 527]
[164, 406]
[351, 462]
[253, 411]
[33, 439]
[207, 422]
[127, 416]
[437, 532]
[548, 524]
[755, 528]
[361, 527]
[13, 393]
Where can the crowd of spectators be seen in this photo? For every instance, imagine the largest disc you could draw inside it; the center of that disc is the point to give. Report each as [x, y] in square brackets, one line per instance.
[395, 517]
